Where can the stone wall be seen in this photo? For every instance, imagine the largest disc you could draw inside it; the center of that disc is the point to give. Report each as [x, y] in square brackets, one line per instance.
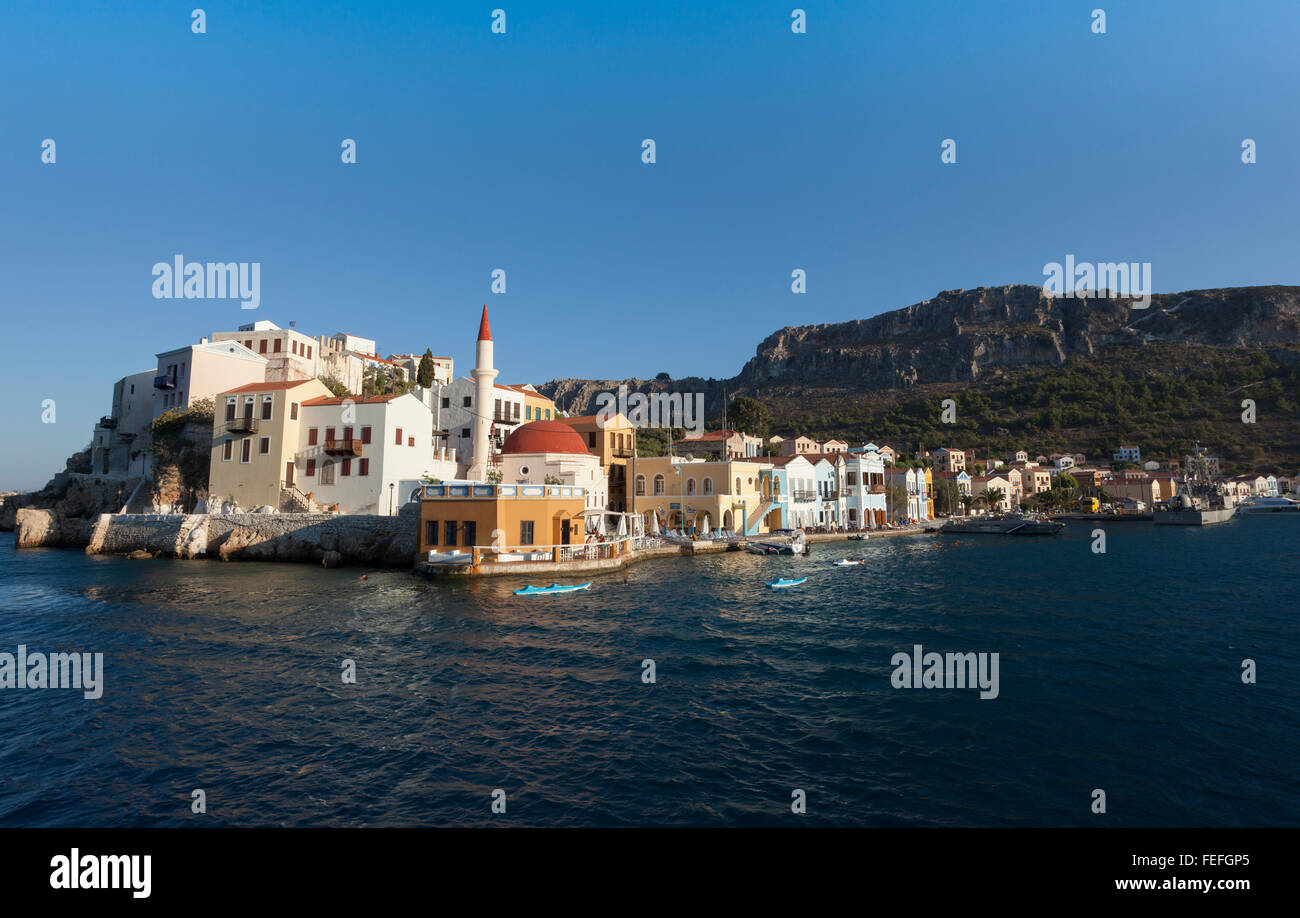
[321, 538]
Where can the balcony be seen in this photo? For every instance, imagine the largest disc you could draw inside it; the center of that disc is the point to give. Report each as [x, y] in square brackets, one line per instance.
[804, 495]
[831, 495]
[241, 426]
[164, 382]
[108, 423]
[349, 447]
[877, 489]
[621, 453]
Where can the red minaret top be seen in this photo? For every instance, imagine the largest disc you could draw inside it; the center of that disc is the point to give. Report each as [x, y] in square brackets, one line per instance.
[484, 331]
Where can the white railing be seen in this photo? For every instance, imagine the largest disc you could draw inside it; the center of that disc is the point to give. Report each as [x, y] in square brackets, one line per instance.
[610, 548]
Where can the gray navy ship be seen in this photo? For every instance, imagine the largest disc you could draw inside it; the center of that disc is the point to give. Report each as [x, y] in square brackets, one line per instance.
[1011, 524]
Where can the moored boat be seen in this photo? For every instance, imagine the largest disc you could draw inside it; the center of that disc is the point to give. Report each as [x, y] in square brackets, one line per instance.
[553, 588]
[782, 583]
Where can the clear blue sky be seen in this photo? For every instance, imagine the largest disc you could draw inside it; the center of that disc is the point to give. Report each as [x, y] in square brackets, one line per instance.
[522, 151]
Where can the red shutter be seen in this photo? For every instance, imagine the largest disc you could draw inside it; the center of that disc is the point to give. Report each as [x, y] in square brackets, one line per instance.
[311, 468]
[347, 466]
[398, 441]
[365, 467]
[311, 436]
[410, 441]
[329, 433]
[365, 435]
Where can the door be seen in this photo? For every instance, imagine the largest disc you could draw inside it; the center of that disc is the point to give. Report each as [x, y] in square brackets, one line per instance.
[288, 474]
[564, 532]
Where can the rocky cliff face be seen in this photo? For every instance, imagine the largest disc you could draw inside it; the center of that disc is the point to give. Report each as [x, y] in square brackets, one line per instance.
[970, 336]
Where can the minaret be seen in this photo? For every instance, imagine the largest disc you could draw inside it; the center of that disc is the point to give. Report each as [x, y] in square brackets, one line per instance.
[484, 374]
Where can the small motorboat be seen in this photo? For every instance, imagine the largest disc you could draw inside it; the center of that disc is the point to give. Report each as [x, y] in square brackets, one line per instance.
[553, 588]
[858, 537]
[849, 562]
[781, 583]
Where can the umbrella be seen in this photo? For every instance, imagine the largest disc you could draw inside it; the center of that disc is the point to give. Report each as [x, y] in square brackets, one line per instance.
[622, 525]
[654, 524]
[600, 524]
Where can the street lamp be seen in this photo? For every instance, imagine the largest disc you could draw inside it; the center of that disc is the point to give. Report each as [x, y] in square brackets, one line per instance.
[390, 498]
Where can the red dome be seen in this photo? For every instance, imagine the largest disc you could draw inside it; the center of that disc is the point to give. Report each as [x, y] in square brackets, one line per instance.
[545, 437]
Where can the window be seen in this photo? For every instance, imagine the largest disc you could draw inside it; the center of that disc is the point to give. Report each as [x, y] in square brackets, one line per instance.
[329, 433]
[467, 402]
[245, 450]
[446, 403]
[277, 345]
[526, 532]
[469, 530]
[528, 412]
[327, 473]
[398, 440]
[449, 528]
[659, 484]
[410, 441]
[591, 440]
[230, 409]
[737, 484]
[548, 414]
[708, 486]
[249, 344]
[431, 532]
[261, 346]
[347, 467]
[293, 411]
[640, 486]
[515, 416]
[365, 435]
[364, 467]
[465, 432]
[690, 486]
[227, 449]
[311, 468]
[496, 410]
[312, 433]
[266, 407]
[309, 352]
[347, 433]
[264, 446]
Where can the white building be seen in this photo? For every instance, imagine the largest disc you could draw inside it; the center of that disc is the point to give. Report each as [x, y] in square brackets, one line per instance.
[199, 371]
[864, 490]
[355, 452]
[289, 354]
[123, 437]
[552, 452]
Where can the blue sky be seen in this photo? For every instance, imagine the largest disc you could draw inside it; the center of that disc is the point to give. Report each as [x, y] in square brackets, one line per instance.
[522, 151]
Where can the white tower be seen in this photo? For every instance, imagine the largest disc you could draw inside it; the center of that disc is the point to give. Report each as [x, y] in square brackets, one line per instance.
[484, 375]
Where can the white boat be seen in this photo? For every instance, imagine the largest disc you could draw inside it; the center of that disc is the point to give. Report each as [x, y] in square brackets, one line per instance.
[1270, 505]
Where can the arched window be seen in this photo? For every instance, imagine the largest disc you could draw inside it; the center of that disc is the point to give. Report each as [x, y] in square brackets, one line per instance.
[690, 486]
[708, 486]
[737, 484]
[659, 484]
[640, 486]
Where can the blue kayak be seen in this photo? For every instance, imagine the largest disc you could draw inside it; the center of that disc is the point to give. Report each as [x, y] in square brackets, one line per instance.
[781, 583]
[553, 588]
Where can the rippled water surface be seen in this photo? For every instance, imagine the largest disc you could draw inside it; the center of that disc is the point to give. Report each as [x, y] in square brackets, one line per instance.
[1118, 671]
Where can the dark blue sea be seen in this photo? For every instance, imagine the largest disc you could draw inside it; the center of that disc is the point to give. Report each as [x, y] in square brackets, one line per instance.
[1119, 671]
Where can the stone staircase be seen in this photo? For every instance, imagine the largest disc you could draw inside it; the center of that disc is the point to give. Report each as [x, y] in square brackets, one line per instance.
[755, 521]
[293, 500]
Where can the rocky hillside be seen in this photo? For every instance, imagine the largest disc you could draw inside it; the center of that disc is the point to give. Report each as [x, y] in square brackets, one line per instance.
[869, 376]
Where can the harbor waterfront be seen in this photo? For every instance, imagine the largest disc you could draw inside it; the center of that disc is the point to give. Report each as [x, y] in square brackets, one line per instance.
[1119, 671]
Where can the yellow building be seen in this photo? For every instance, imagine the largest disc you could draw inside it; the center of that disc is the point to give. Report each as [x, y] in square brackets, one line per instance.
[613, 441]
[718, 495]
[255, 436]
[508, 518]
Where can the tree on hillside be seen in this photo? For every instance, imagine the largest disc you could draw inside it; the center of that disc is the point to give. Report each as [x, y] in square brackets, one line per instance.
[424, 375]
[749, 416]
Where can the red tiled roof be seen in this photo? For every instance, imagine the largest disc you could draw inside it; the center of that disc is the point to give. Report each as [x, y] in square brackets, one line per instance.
[267, 386]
